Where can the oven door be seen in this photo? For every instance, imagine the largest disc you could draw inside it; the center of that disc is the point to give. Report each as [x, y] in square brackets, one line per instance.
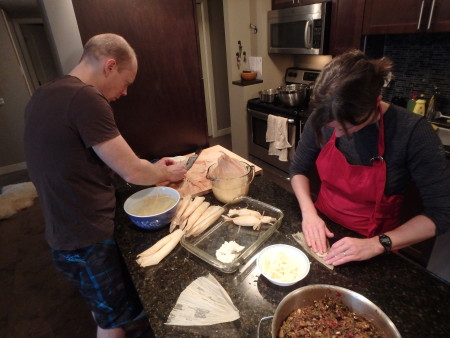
[258, 147]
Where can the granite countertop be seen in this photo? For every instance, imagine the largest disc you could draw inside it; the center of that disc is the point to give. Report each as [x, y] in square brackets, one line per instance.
[416, 301]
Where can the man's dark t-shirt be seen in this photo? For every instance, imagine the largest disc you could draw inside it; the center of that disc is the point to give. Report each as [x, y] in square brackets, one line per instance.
[63, 120]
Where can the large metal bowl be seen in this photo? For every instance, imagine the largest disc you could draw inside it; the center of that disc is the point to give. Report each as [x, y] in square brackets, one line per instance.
[359, 304]
[293, 94]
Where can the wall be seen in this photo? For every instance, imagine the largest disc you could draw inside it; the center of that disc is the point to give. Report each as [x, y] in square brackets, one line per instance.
[64, 36]
[15, 92]
[421, 61]
[315, 62]
[238, 14]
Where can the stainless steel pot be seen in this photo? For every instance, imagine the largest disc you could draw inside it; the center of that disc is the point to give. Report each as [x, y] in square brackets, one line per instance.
[293, 94]
[268, 95]
[309, 91]
[359, 304]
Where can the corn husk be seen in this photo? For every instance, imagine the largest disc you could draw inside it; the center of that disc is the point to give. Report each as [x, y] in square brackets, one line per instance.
[203, 302]
[228, 167]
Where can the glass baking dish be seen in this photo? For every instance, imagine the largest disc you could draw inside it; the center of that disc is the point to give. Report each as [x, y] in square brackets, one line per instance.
[206, 245]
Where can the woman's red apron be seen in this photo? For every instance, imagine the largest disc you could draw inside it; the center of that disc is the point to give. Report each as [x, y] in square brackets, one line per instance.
[353, 195]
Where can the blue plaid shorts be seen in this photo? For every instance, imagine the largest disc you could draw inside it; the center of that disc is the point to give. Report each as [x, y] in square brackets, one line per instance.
[100, 275]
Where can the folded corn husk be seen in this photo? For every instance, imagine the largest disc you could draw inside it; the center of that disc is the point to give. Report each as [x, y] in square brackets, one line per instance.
[157, 252]
[203, 302]
[300, 238]
[228, 167]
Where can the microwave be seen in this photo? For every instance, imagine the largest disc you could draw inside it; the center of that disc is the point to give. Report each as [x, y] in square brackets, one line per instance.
[300, 30]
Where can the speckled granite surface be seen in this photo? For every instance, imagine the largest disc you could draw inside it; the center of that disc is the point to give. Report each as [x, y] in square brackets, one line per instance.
[417, 302]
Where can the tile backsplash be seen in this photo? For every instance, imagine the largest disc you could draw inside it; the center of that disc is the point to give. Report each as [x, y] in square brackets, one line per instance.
[421, 62]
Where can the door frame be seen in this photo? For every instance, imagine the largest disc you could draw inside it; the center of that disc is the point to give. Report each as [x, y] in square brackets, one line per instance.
[207, 69]
[28, 55]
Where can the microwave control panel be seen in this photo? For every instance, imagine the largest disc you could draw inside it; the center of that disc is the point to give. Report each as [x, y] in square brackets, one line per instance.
[317, 33]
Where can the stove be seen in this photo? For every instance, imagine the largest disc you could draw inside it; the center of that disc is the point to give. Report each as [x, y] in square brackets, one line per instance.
[278, 108]
[258, 112]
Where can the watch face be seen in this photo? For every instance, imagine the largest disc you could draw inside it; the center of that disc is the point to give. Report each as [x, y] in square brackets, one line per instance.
[386, 242]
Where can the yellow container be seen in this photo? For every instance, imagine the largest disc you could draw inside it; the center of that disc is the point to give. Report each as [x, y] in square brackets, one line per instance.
[419, 107]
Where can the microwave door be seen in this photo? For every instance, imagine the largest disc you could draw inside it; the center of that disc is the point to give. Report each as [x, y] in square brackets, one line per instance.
[290, 37]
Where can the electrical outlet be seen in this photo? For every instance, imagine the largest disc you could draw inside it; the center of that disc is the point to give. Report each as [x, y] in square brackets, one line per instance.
[2, 101]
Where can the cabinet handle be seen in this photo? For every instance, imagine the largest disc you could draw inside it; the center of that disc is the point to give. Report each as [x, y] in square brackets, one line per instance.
[431, 14]
[420, 15]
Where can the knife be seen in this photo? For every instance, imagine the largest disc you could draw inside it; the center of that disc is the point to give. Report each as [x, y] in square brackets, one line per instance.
[192, 159]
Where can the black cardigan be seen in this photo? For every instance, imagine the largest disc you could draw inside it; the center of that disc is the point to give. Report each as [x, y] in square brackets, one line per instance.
[413, 152]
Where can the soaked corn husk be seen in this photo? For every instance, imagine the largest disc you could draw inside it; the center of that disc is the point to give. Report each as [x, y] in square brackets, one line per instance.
[228, 167]
[300, 238]
[203, 302]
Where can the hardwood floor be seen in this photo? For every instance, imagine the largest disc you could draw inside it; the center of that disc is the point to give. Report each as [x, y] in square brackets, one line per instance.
[37, 301]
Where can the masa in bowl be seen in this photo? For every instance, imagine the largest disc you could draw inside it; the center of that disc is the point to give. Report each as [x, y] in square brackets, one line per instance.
[283, 265]
[152, 208]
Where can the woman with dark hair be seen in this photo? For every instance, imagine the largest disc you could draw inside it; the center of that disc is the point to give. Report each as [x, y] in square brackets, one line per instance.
[367, 152]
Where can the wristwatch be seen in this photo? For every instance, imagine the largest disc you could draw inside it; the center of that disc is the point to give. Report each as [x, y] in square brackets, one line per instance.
[386, 242]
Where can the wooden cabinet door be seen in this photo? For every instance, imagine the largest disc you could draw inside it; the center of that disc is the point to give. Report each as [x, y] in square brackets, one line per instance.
[164, 111]
[439, 18]
[394, 17]
[346, 25]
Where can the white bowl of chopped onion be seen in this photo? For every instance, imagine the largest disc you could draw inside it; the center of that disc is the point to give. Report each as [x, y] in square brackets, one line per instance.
[282, 264]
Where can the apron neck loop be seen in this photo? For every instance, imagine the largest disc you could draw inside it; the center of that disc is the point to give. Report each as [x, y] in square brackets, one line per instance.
[380, 154]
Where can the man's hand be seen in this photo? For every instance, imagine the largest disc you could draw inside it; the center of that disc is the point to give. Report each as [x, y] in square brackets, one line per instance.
[175, 172]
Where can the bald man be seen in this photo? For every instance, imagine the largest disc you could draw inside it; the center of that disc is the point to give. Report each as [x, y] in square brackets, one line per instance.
[73, 148]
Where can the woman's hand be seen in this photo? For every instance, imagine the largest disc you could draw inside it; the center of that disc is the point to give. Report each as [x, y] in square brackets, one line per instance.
[350, 249]
[316, 233]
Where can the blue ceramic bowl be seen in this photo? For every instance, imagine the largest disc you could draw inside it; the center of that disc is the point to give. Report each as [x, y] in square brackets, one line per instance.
[157, 221]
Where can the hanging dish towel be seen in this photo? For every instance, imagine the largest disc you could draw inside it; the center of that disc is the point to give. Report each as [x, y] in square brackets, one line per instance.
[277, 136]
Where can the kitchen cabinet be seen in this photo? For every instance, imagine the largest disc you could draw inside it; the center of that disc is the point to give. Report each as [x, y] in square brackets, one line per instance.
[279, 4]
[164, 111]
[346, 22]
[346, 25]
[406, 16]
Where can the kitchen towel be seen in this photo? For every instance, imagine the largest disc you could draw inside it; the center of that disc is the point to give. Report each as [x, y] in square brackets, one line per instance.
[277, 136]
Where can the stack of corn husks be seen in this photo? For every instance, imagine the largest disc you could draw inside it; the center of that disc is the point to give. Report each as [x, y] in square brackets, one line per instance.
[203, 302]
[195, 215]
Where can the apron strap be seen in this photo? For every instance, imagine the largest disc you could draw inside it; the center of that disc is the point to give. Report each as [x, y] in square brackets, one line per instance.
[380, 133]
[378, 160]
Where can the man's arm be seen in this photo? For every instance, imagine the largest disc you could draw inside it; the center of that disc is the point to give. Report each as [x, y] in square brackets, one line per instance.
[118, 155]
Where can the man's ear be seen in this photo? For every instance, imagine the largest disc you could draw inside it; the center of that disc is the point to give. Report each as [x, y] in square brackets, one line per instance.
[109, 65]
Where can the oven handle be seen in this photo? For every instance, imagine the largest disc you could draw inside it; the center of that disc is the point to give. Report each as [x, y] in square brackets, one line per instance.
[264, 116]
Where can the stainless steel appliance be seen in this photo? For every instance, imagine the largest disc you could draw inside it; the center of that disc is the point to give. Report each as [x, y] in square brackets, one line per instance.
[299, 30]
[258, 113]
